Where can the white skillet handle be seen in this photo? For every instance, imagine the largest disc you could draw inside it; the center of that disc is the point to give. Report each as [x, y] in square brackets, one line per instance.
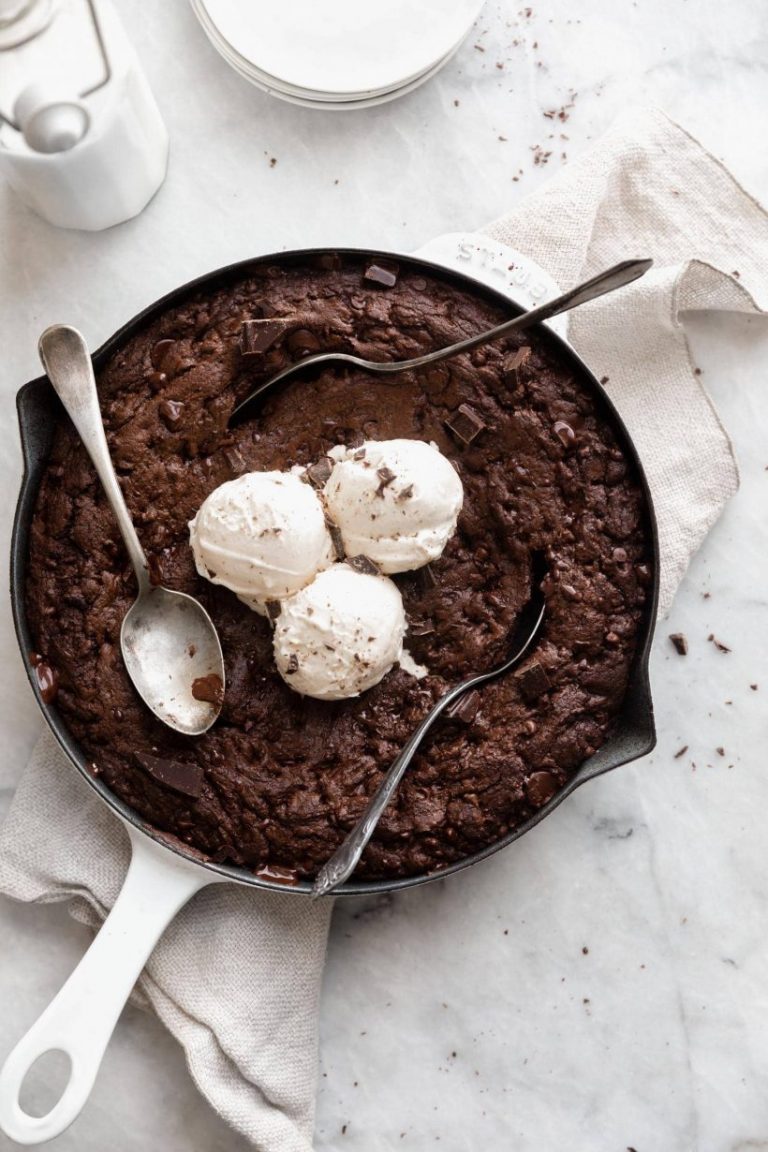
[82, 1017]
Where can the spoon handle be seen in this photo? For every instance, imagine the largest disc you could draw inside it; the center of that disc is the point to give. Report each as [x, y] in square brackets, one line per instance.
[67, 361]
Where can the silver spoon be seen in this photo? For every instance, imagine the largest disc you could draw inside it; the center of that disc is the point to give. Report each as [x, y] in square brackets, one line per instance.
[345, 859]
[167, 638]
[616, 277]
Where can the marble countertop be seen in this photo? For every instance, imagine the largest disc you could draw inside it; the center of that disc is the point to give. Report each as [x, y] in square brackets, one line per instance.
[603, 983]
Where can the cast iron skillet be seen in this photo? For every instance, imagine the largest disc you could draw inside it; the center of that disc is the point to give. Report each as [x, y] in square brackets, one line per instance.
[164, 874]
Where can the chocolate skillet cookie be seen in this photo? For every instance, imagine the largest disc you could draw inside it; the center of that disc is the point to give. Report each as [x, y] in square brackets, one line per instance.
[281, 778]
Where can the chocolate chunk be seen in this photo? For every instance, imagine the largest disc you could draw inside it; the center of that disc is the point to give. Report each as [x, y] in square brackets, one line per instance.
[257, 336]
[363, 564]
[533, 681]
[564, 433]
[170, 413]
[465, 424]
[386, 476]
[184, 778]
[209, 689]
[383, 272]
[273, 609]
[319, 473]
[718, 643]
[160, 351]
[157, 380]
[47, 679]
[302, 342]
[540, 787]
[277, 874]
[234, 458]
[465, 708]
[293, 664]
[515, 364]
[336, 538]
[680, 643]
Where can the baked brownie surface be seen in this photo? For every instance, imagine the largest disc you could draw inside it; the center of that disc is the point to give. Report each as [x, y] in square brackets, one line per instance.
[285, 777]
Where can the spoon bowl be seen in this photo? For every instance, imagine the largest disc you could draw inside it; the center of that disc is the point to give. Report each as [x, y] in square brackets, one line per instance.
[169, 643]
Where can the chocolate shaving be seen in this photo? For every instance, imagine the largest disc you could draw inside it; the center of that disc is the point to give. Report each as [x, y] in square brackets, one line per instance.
[235, 459]
[209, 689]
[383, 272]
[273, 609]
[465, 708]
[359, 454]
[532, 680]
[184, 778]
[319, 472]
[540, 787]
[514, 365]
[257, 336]
[465, 424]
[336, 538]
[363, 564]
[386, 476]
[680, 642]
[681, 751]
[405, 494]
[718, 643]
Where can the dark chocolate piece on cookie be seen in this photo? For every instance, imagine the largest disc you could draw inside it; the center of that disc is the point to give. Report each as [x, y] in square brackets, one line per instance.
[532, 680]
[515, 364]
[181, 777]
[382, 272]
[465, 424]
[258, 336]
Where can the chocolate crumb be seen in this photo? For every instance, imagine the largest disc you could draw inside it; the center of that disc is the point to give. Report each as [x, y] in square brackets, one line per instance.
[184, 778]
[465, 424]
[753, 687]
[680, 642]
[404, 494]
[382, 272]
[720, 751]
[209, 689]
[364, 565]
[681, 752]
[718, 643]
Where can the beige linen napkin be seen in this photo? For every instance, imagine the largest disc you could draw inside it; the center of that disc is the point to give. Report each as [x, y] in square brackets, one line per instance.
[236, 977]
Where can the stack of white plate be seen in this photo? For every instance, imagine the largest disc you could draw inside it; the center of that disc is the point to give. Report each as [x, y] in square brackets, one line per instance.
[338, 54]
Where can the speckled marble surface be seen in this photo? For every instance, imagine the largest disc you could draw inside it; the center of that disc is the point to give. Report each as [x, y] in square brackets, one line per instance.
[603, 983]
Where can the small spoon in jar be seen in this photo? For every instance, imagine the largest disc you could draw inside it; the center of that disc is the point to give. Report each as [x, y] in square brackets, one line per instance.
[169, 643]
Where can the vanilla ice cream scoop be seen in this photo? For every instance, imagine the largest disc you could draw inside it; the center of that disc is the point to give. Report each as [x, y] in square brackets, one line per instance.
[263, 535]
[340, 635]
[396, 501]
